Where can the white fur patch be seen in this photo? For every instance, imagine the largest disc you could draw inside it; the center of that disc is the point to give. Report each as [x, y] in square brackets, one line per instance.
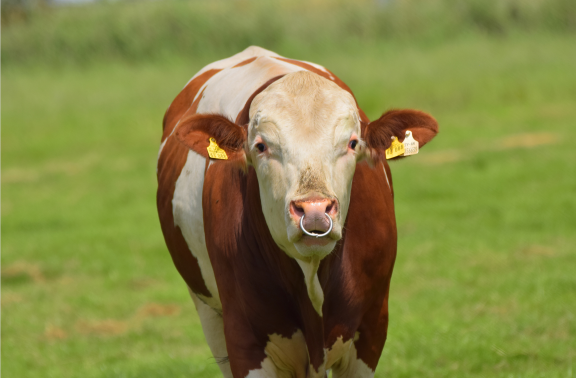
[226, 92]
[286, 358]
[337, 350]
[310, 268]
[187, 209]
[247, 53]
[348, 365]
[213, 327]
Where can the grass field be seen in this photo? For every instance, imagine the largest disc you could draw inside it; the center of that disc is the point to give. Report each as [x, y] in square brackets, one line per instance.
[484, 284]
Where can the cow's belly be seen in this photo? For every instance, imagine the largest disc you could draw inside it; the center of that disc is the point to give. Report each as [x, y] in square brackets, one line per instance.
[187, 210]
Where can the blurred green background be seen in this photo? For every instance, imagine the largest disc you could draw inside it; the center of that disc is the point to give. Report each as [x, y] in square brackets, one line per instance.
[484, 283]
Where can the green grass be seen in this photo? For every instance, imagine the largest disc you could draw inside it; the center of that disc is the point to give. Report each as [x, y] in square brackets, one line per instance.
[152, 30]
[484, 284]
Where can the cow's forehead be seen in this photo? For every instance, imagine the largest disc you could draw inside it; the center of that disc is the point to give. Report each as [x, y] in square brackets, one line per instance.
[305, 102]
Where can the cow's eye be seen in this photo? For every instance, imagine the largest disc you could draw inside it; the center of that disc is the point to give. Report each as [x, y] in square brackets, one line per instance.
[261, 147]
[353, 143]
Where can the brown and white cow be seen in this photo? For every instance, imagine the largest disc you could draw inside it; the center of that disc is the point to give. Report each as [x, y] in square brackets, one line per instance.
[273, 301]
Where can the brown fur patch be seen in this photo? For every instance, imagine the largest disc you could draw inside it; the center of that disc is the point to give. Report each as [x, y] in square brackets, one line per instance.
[245, 62]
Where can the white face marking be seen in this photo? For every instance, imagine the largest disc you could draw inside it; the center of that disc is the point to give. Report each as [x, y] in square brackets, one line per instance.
[306, 122]
[187, 210]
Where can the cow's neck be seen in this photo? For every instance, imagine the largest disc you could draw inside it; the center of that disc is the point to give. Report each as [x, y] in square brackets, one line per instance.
[304, 288]
[308, 266]
[310, 270]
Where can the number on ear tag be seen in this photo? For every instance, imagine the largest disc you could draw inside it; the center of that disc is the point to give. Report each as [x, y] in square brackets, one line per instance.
[410, 144]
[396, 149]
[215, 152]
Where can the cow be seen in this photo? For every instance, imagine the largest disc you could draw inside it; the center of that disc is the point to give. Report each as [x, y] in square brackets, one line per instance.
[276, 203]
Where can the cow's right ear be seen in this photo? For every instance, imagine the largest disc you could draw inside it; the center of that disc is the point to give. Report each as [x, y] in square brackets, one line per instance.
[195, 132]
[394, 123]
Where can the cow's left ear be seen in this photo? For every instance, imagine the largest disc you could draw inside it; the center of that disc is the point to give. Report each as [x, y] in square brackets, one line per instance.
[378, 134]
[197, 131]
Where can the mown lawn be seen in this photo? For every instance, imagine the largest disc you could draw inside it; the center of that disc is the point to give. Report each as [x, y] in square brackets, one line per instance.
[485, 282]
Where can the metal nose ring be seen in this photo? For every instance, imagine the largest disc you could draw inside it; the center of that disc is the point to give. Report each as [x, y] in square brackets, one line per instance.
[316, 235]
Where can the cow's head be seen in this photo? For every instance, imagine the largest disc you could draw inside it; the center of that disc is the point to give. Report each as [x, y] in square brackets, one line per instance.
[304, 138]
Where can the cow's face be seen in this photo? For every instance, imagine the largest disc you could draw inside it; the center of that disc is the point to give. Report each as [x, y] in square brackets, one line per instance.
[303, 141]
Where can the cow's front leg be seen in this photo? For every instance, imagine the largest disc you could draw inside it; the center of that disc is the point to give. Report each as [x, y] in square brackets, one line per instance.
[366, 348]
[351, 365]
[213, 327]
[257, 354]
[285, 358]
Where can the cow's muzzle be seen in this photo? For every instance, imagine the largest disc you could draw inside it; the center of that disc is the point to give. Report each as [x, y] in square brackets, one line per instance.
[315, 234]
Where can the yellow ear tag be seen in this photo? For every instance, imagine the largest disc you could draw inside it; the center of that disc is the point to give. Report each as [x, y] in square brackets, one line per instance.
[410, 144]
[396, 149]
[215, 152]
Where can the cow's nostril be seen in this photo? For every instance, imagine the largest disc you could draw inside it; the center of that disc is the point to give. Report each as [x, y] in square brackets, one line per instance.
[329, 207]
[297, 209]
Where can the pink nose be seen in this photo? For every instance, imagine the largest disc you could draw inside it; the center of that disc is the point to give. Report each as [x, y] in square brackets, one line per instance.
[314, 211]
